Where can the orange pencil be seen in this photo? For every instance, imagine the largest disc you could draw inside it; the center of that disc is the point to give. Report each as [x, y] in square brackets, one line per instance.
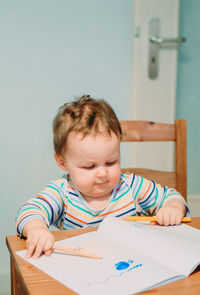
[151, 218]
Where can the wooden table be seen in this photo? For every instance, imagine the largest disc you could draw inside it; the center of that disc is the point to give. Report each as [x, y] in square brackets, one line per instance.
[27, 279]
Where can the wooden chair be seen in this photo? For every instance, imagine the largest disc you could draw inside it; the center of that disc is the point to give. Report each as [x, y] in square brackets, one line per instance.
[135, 131]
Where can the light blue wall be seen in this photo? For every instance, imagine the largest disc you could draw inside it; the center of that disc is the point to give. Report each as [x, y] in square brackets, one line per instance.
[188, 91]
[50, 50]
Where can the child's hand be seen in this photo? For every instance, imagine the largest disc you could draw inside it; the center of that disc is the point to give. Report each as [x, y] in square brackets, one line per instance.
[171, 213]
[39, 239]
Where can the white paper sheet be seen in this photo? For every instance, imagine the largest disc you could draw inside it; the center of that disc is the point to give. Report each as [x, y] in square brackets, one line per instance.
[133, 257]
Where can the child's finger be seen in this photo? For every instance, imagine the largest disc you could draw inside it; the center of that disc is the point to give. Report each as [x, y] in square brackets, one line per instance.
[30, 250]
[159, 217]
[172, 219]
[48, 252]
[39, 249]
[153, 223]
[48, 246]
[165, 222]
[178, 219]
[169, 219]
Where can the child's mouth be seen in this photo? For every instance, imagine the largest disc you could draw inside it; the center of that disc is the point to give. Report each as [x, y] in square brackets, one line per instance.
[102, 183]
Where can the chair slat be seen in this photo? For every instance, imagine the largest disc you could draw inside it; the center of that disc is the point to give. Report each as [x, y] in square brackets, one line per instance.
[147, 131]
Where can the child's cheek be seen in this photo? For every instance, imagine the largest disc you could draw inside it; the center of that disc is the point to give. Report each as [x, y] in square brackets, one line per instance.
[88, 177]
[115, 174]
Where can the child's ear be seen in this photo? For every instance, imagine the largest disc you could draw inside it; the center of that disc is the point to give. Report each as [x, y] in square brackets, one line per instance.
[60, 162]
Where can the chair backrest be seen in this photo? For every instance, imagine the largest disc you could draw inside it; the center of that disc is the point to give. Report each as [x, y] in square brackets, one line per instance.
[142, 131]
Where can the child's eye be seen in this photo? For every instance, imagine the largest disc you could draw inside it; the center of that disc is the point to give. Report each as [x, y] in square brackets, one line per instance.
[110, 163]
[89, 167]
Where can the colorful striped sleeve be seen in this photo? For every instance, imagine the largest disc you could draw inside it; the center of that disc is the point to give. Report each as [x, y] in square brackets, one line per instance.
[149, 197]
[47, 206]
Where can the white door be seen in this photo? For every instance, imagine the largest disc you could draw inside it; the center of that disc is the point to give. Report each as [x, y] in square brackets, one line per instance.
[154, 81]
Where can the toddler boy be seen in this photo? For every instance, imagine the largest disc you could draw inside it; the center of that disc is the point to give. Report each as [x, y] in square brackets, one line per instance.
[87, 138]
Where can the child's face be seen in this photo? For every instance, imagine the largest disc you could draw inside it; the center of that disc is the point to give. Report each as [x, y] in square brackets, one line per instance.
[93, 163]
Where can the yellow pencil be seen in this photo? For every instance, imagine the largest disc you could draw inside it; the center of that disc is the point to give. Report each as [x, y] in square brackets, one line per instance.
[151, 218]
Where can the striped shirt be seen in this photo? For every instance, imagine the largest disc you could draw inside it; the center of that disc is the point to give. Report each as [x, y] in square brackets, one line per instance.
[61, 205]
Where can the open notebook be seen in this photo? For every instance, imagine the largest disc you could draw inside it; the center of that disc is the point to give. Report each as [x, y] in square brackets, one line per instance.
[136, 257]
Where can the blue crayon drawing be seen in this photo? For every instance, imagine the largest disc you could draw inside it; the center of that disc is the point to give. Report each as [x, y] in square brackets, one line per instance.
[123, 264]
[122, 267]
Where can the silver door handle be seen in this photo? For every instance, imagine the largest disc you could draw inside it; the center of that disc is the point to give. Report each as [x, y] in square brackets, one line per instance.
[167, 41]
[156, 43]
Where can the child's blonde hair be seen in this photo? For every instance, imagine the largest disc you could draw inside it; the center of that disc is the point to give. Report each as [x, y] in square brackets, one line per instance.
[85, 115]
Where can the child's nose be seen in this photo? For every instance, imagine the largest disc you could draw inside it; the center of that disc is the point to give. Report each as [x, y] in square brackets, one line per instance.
[102, 172]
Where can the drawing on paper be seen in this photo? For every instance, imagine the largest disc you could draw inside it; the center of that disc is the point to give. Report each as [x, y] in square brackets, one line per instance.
[123, 264]
[122, 267]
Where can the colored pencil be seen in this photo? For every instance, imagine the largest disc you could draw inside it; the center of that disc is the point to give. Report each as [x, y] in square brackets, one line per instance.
[77, 252]
[151, 218]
